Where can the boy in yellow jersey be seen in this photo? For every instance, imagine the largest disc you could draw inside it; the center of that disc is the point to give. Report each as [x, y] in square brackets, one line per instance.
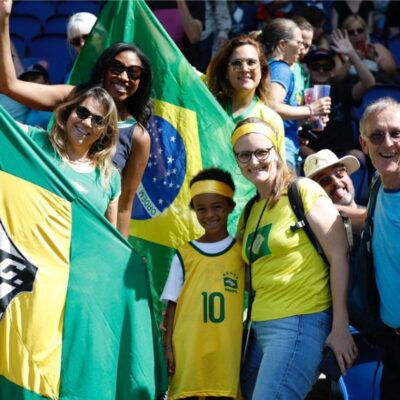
[204, 291]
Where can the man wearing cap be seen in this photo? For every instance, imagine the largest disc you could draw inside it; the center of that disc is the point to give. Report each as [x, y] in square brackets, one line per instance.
[380, 138]
[332, 173]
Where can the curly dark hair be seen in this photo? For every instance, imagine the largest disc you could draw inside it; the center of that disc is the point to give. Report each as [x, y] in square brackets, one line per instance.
[215, 174]
[217, 72]
[139, 104]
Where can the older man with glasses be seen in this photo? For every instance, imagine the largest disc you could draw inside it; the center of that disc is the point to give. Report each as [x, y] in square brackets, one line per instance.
[332, 173]
[380, 138]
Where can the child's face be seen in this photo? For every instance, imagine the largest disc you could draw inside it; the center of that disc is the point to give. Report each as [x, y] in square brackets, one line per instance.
[212, 211]
[321, 70]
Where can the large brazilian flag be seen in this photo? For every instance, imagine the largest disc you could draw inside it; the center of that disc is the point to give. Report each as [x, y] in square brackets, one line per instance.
[189, 131]
[75, 315]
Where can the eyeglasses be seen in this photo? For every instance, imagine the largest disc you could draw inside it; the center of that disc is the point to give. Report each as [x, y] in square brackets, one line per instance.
[316, 67]
[327, 180]
[83, 113]
[356, 31]
[133, 72]
[240, 63]
[78, 40]
[378, 137]
[245, 156]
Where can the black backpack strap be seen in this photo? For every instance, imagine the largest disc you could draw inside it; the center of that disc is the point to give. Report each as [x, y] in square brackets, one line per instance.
[247, 209]
[296, 202]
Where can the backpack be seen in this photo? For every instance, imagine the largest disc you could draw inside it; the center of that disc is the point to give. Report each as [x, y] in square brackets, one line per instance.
[363, 299]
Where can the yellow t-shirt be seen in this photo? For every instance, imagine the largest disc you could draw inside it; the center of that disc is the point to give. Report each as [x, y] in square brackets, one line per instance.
[207, 331]
[288, 275]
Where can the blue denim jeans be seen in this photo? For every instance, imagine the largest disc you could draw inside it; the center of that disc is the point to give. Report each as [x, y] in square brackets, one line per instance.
[282, 362]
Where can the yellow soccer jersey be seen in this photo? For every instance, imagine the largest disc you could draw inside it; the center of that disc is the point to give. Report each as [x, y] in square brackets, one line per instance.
[207, 331]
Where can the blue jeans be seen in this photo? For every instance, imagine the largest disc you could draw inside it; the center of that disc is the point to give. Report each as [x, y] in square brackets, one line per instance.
[286, 353]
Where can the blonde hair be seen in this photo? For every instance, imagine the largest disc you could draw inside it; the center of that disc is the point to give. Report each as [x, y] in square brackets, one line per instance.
[80, 24]
[103, 150]
[354, 18]
[283, 175]
[217, 71]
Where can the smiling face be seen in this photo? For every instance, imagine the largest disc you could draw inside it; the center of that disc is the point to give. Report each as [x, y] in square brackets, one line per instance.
[385, 157]
[255, 170]
[293, 48]
[357, 33]
[247, 76]
[321, 70]
[307, 42]
[337, 184]
[82, 133]
[212, 211]
[119, 85]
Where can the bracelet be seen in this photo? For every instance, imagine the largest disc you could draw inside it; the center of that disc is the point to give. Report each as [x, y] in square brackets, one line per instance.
[310, 109]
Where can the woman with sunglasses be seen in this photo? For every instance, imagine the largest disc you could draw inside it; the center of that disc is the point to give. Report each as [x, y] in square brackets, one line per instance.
[377, 58]
[78, 28]
[300, 303]
[82, 143]
[125, 72]
[283, 42]
[238, 76]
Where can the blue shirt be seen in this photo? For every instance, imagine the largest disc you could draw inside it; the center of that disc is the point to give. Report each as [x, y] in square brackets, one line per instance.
[386, 250]
[283, 75]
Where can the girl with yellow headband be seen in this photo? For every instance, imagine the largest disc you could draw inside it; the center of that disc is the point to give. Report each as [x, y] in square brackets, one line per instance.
[300, 304]
[204, 291]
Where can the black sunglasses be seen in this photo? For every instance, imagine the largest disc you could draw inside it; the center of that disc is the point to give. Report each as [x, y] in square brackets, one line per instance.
[245, 156]
[324, 67]
[378, 137]
[357, 31]
[77, 40]
[133, 72]
[83, 113]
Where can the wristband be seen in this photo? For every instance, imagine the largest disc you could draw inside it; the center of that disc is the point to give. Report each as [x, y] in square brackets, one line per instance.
[310, 109]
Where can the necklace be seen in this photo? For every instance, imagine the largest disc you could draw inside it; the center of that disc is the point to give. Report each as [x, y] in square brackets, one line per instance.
[81, 161]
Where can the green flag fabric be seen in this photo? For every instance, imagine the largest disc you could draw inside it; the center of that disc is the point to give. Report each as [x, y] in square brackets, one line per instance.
[189, 131]
[75, 309]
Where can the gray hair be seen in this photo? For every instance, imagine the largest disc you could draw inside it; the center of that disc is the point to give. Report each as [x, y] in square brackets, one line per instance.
[375, 108]
[80, 24]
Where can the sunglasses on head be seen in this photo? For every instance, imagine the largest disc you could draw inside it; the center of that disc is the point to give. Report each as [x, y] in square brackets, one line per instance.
[324, 67]
[133, 72]
[83, 113]
[327, 180]
[78, 40]
[356, 31]
[245, 156]
[240, 63]
[378, 137]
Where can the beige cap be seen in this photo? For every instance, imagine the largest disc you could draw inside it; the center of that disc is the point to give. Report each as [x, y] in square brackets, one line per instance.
[316, 162]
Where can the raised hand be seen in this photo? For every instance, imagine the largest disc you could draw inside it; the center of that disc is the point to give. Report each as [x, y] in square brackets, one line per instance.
[5, 8]
[341, 43]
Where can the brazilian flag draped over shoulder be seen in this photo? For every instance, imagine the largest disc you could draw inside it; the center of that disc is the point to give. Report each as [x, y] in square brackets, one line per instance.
[189, 131]
[75, 310]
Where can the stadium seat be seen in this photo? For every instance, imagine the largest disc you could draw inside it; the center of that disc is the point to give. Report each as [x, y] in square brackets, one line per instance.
[54, 48]
[56, 24]
[25, 25]
[394, 46]
[72, 7]
[19, 44]
[39, 9]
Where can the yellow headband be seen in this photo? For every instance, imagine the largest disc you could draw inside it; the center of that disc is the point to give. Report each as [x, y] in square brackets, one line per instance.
[254, 128]
[211, 186]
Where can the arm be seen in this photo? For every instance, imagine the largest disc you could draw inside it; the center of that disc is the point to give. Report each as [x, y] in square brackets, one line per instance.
[385, 59]
[112, 211]
[356, 215]
[169, 324]
[327, 225]
[192, 27]
[343, 46]
[131, 176]
[30, 94]
[223, 20]
[318, 107]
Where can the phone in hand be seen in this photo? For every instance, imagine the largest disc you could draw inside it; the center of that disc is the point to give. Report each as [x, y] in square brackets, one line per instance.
[329, 365]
